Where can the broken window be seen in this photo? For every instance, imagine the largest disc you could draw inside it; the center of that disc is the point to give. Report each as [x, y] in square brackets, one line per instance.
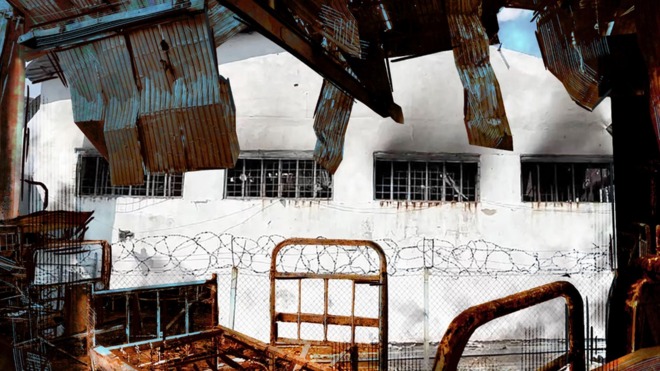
[426, 180]
[94, 180]
[278, 178]
[559, 181]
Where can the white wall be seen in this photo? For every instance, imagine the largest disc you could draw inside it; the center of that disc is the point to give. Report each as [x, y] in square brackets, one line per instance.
[275, 97]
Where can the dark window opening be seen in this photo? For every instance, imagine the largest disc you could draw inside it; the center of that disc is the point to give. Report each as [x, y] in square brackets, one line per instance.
[566, 182]
[426, 180]
[94, 180]
[278, 178]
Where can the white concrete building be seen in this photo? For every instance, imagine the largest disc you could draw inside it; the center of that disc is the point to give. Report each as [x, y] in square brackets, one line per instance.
[275, 97]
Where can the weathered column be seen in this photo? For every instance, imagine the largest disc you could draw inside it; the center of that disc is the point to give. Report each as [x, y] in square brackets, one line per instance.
[12, 111]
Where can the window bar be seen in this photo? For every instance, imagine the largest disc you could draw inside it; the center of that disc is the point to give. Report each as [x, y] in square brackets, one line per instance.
[573, 182]
[391, 180]
[461, 190]
[538, 182]
[314, 179]
[556, 186]
[408, 180]
[297, 184]
[279, 179]
[166, 183]
[444, 176]
[426, 183]
[262, 176]
[96, 177]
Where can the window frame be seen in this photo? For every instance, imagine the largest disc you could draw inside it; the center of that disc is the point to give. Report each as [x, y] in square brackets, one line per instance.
[427, 157]
[280, 156]
[86, 152]
[572, 160]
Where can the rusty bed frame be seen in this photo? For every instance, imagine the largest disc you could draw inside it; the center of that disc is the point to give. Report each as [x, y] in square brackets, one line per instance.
[326, 319]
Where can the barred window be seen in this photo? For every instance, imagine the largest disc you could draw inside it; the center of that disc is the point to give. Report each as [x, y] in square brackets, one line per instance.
[94, 180]
[278, 178]
[432, 180]
[562, 181]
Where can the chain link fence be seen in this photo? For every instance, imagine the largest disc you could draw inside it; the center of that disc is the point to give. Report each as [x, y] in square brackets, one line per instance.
[430, 283]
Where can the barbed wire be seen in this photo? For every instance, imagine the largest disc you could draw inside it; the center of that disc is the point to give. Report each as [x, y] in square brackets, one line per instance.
[207, 253]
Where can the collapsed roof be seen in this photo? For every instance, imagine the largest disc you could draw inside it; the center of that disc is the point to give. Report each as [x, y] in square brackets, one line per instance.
[146, 89]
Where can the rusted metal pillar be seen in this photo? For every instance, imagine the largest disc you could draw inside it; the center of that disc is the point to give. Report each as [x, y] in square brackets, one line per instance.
[75, 309]
[12, 103]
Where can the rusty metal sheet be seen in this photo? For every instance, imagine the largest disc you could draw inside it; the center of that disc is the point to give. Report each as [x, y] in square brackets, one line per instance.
[418, 27]
[80, 66]
[572, 54]
[643, 359]
[648, 36]
[187, 115]
[121, 111]
[44, 221]
[330, 18]
[4, 21]
[485, 117]
[333, 111]
[224, 22]
[463, 326]
[50, 11]
[41, 69]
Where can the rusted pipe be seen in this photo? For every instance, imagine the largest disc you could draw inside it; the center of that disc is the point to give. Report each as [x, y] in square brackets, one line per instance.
[12, 101]
[626, 293]
[462, 327]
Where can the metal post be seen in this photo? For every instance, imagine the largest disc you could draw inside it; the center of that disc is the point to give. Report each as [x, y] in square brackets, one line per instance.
[187, 314]
[232, 297]
[128, 320]
[12, 112]
[427, 352]
[158, 333]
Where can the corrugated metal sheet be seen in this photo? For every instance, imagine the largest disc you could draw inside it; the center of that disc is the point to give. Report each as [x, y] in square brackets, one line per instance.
[47, 11]
[648, 37]
[187, 116]
[333, 111]
[331, 19]
[224, 23]
[121, 111]
[485, 117]
[572, 55]
[80, 66]
[3, 32]
[40, 69]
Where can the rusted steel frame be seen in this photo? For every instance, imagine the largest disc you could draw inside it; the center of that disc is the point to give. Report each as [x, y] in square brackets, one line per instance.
[380, 280]
[643, 359]
[268, 23]
[329, 318]
[360, 278]
[463, 326]
[12, 101]
[32, 182]
[234, 336]
[555, 365]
